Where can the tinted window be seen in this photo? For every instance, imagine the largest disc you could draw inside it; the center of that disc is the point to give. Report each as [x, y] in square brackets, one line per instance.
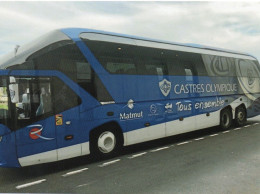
[64, 98]
[116, 58]
[41, 97]
[247, 68]
[184, 63]
[219, 66]
[197, 63]
[65, 56]
[175, 66]
[256, 63]
[90, 81]
[34, 97]
[34, 100]
[150, 61]
[5, 117]
[119, 58]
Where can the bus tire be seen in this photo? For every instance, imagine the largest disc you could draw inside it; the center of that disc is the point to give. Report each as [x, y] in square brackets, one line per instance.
[105, 143]
[240, 116]
[225, 118]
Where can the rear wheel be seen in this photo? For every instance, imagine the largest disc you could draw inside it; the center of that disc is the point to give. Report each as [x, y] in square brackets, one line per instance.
[225, 119]
[105, 143]
[240, 117]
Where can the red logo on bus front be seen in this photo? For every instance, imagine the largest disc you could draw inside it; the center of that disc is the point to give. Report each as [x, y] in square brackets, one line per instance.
[35, 133]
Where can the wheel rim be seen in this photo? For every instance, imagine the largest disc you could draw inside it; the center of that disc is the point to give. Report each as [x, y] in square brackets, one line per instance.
[226, 119]
[106, 142]
[240, 116]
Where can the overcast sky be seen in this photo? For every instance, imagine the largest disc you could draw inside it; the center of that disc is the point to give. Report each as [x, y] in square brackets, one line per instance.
[232, 25]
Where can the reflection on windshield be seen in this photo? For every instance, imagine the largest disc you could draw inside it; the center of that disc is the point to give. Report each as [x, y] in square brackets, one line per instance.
[5, 117]
[3, 102]
[24, 100]
[34, 98]
[28, 99]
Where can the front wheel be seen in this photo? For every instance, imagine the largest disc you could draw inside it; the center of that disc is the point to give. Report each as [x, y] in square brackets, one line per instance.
[105, 143]
[225, 119]
[240, 117]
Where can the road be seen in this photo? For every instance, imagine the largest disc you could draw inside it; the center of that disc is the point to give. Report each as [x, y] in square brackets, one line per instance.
[205, 161]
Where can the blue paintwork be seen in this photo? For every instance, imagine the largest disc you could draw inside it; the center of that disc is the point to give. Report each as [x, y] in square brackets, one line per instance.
[4, 130]
[23, 141]
[8, 156]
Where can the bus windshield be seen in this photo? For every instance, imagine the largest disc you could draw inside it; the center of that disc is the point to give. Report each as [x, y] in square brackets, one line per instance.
[31, 98]
[28, 99]
[24, 100]
[4, 107]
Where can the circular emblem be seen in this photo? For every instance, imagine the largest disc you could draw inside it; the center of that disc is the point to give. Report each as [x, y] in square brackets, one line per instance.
[35, 133]
[153, 109]
[246, 73]
[250, 76]
[221, 66]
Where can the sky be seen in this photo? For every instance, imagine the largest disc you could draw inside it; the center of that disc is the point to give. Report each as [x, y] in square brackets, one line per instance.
[230, 25]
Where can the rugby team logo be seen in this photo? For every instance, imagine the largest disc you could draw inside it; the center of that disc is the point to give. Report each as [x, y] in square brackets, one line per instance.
[165, 87]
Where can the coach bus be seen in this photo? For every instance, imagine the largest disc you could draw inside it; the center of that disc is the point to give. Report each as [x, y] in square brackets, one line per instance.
[74, 92]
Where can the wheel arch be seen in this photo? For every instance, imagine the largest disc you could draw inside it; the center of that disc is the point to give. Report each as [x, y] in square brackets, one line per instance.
[227, 107]
[235, 108]
[108, 125]
[241, 105]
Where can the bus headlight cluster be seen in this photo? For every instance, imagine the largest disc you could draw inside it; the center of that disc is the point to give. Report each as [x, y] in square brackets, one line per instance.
[1, 138]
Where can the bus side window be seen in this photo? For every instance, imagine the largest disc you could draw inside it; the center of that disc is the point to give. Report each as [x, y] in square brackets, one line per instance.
[45, 105]
[89, 81]
[152, 61]
[64, 97]
[175, 68]
[189, 74]
[85, 77]
[198, 64]
[120, 67]
[182, 63]
[116, 58]
[188, 64]
[247, 68]
[219, 66]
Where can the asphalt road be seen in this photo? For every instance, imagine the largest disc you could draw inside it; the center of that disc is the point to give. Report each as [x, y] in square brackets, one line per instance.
[205, 161]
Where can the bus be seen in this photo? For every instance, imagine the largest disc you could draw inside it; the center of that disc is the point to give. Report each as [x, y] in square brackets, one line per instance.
[74, 92]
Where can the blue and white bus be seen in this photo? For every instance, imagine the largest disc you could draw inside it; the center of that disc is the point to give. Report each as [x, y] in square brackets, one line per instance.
[74, 92]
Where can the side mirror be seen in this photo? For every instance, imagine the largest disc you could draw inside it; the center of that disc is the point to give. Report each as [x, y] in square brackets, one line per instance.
[14, 91]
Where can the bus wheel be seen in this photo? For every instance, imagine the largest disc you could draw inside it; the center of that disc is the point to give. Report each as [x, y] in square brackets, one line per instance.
[225, 118]
[105, 143]
[240, 117]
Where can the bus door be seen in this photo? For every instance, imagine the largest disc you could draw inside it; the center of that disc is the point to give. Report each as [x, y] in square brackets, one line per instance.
[32, 110]
[46, 118]
[67, 120]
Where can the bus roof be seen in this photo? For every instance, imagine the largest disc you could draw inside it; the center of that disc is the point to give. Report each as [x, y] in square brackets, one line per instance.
[74, 33]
